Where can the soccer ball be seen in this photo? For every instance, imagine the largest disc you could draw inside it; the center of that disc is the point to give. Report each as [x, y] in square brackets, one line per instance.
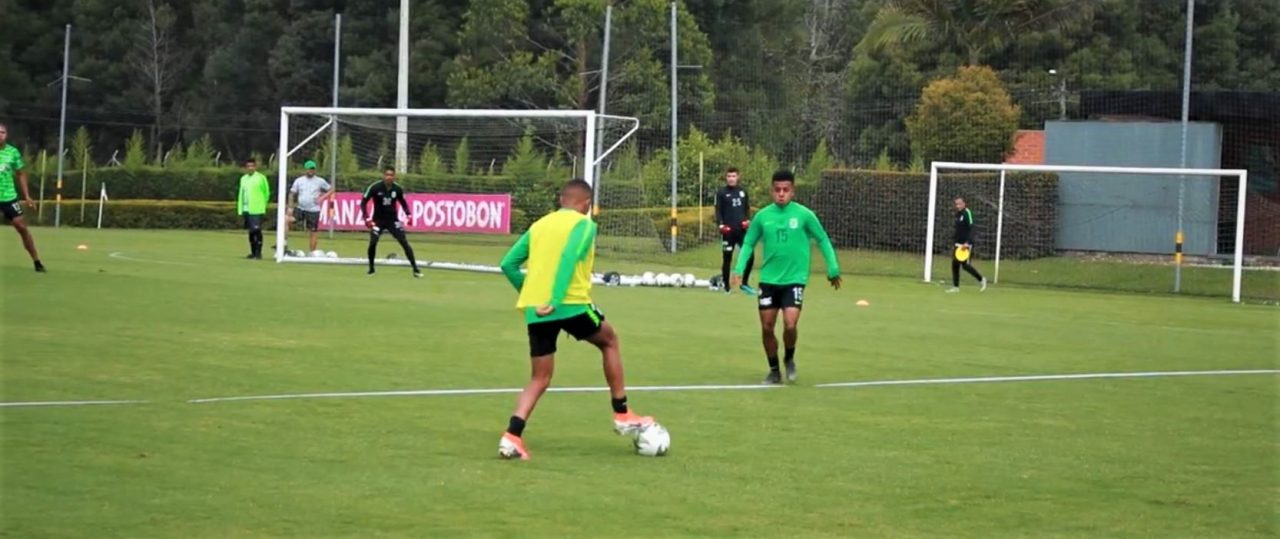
[652, 441]
[690, 280]
[331, 254]
[664, 279]
[677, 280]
[648, 279]
[317, 253]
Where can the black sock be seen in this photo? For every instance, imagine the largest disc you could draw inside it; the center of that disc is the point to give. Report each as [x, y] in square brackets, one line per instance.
[726, 262]
[791, 355]
[619, 405]
[516, 426]
[773, 363]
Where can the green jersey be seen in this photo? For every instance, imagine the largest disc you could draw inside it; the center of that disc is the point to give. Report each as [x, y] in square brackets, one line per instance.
[786, 231]
[255, 190]
[10, 164]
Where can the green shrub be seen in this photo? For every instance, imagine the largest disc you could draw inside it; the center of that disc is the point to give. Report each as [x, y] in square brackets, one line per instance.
[184, 214]
[885, 210]
[966, 117]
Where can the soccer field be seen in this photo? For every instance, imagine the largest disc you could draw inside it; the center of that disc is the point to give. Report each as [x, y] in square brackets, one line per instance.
[165, 318]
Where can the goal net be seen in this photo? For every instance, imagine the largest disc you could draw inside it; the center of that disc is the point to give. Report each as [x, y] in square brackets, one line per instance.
[1124, 228]
[474, 180]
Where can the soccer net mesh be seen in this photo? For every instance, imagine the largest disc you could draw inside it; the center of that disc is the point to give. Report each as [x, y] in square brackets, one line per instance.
[474, 181]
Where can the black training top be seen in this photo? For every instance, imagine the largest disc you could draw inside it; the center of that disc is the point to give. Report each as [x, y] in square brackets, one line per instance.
[964, 226]
[732, 207]
[384, 199]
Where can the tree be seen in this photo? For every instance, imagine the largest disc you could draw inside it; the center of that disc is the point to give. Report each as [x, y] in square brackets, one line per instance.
[81, 149]
[157, 61]
[974, 28]
[135, 154]
[968, 116]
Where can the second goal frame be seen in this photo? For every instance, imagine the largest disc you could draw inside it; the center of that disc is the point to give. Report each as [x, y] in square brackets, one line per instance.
[1240, 174]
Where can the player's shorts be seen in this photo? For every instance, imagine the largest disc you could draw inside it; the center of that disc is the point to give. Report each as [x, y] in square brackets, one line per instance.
[253, 222]
[780, 296]
[310, 219]
[543, 335]
[12, 209]
[733, 239]
[395, 228]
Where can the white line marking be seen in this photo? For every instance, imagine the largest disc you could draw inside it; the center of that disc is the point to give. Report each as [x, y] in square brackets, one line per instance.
[440, 392]
[119, 255]
[1044, 377]
[65, 403]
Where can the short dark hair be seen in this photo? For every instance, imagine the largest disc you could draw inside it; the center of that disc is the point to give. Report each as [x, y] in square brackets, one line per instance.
[784, 176]
[731, 170]
[578, 183]
[389, 169]
[250, 160]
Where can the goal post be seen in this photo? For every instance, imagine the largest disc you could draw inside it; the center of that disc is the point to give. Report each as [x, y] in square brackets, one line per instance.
[1005, 177]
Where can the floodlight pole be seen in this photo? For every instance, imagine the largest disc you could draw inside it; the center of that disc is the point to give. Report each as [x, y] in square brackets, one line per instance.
[402, 92]
[333, 135]
[675, 126]
[1186, 114]
[604, 89]
[62, 123]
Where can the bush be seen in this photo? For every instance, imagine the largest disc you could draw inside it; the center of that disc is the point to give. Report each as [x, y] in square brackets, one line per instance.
[885, 211]
[656, 223]
[966, 117]
[184, 214]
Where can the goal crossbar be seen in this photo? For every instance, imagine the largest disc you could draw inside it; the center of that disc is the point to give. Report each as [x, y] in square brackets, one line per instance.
[1241, 174]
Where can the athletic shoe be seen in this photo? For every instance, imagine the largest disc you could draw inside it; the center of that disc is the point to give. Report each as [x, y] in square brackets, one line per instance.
[791, 371]
[512, 447]
[251, 256]
[417, 274]
[774, 377]
[40, 268]
[747, 290]
[984, 285]
[953, 290]
[629, 422]
[370, 273]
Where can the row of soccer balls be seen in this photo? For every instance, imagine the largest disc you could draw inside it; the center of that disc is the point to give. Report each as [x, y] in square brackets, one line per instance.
[313, 254]
[649, 278]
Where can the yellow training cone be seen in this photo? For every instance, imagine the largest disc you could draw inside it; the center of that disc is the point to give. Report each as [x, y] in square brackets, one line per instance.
[864, 303]
[82, 247]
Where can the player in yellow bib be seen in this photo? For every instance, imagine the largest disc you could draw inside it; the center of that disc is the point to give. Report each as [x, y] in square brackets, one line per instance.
[555, 296]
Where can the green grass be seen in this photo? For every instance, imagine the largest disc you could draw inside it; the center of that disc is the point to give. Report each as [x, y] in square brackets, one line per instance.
[178, 315]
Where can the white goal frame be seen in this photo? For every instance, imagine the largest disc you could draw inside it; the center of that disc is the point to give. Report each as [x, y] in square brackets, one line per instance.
[590, 158]
[1242, 175]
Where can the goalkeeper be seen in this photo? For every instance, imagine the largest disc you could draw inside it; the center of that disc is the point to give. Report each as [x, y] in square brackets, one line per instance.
[964, 247]
[786, 228]
[386, 195]
[555, 296]
[733, 212]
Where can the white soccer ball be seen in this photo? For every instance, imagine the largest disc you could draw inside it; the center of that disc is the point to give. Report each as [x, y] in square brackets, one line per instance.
[648, 279]
[690, 280]
[664, 279]
[331, 254]
[317, 253]
[652, 441]
[677, 280]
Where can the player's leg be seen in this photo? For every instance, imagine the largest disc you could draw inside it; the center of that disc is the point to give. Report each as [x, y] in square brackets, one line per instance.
[955, 275]
[398, 233]
[726, 261]
[968, 267]
[593, 328]
[768, 322]
[248, 226]
[374, 234]
[311, 221]
[542, 354]
[790, 335]
[20, 226]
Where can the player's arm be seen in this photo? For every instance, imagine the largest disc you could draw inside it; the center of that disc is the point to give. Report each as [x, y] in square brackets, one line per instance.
[266, 188]
[721, 218]
[746, 209]
[293, 194]
[516, 257]
[966, 232]
[404, 204]
[240, 196]
[748, 245]
[364, 202]
[819, 234]
[579, 244]
[20, 172]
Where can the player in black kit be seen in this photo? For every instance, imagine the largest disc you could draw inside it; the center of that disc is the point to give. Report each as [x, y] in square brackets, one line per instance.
[386, 195]
[733, 212]
[964, 243]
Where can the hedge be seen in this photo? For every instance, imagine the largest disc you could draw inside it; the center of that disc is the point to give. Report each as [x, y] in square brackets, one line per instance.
[885, 210]
[182, 214]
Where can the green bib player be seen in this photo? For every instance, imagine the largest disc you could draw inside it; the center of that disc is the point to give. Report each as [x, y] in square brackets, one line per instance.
[11, 166]
[251, 203]
[785, 228]
[555, 296]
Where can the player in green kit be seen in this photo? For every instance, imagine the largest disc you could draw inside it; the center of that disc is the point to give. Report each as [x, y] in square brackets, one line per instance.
[11, 166]
[555, 296]
[785, 228]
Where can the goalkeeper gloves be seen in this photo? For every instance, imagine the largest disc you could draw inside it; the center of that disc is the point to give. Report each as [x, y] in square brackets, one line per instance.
[746, 224]
[725, 230]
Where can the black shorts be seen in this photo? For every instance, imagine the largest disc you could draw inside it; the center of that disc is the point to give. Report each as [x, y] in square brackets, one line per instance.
[543, 335]
[734, 238]
[395, 228]
[780, 296]
[253, 222]
[11, 209]
[310, 220]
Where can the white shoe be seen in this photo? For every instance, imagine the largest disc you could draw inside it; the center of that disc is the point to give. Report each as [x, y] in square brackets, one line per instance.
[953, 290]
[984, 285]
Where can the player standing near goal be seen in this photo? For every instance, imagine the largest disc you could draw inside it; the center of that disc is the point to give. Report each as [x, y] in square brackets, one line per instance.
[733, 212]
[786, 228]
[11, 166]
[555, 296]
[964, 243]
[308, 192]
[251, 202]
[386, 196]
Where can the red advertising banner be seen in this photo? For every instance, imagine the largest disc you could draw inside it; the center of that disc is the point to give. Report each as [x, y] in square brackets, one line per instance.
[430, 212]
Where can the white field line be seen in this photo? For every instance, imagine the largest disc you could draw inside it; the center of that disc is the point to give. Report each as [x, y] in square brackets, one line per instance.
[64, 403]
[709, 387]
[1046, 377]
